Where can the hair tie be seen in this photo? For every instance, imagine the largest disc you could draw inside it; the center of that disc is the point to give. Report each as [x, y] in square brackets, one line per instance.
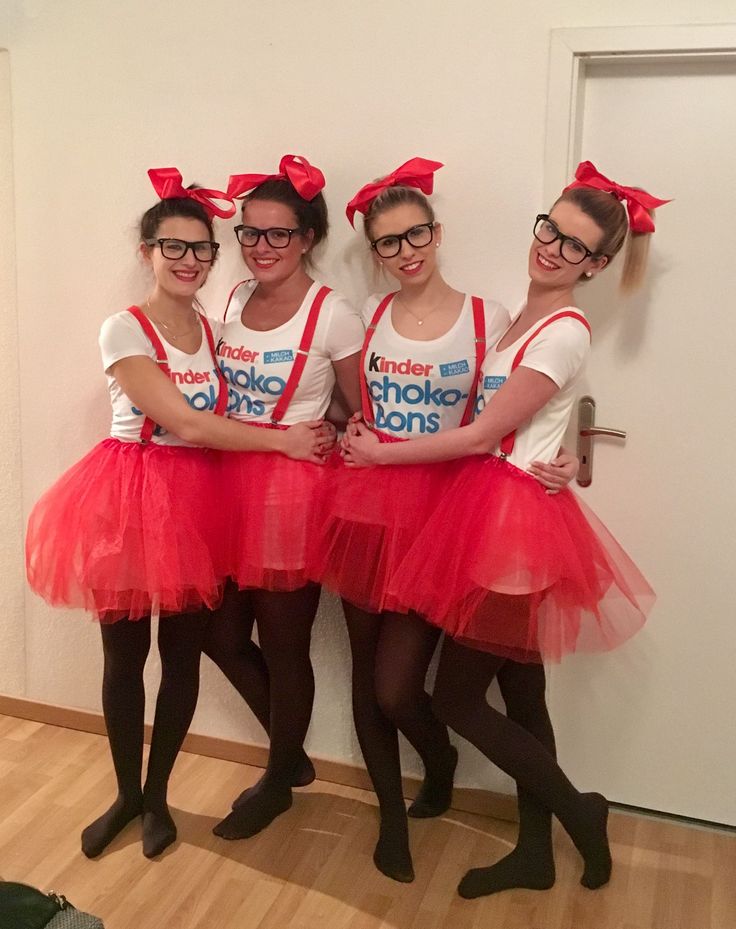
[417, 172]
[638, 202]
[306, 180]
[167, 184]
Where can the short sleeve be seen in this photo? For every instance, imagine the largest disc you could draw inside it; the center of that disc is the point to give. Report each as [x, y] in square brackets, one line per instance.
[369, 308]
[239, 296]
[498, 321]
[121, 336]
[559, 351]
[216, 327]
[345, 332]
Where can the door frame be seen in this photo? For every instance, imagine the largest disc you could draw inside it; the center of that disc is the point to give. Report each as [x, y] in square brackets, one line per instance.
[573, 50]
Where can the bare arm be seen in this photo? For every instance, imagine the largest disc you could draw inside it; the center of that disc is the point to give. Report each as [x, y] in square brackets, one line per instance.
[151, 391]
[525, 393]
[347, 374]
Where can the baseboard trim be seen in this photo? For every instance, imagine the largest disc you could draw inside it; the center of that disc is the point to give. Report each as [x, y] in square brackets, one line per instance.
[465, 799]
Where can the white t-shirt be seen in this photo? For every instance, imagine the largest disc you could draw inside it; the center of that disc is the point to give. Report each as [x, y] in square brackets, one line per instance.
[559, 351]
[121, 336]
[257, 364]
[419, 387]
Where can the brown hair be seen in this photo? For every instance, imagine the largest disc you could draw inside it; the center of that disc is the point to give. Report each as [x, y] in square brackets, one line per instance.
[310, 214]
[392, 197]
[610, 215]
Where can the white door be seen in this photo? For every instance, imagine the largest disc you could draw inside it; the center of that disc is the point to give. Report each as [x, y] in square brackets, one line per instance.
[652, 724]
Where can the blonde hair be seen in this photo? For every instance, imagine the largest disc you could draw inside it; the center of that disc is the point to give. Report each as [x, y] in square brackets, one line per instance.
[392, 197]
[609, 213]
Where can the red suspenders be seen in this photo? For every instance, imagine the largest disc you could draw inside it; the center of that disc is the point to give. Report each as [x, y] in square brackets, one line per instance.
[507, 443]
[479, 327]
[301, 355]
[162, 360]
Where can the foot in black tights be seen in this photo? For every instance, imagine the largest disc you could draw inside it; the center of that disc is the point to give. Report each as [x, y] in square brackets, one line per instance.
[266, 800]
[303, 775]
[392, 856]
[159, 830]
[516, 870]
[591, 840]
[435, 795]
[531, 865]
[98, 835]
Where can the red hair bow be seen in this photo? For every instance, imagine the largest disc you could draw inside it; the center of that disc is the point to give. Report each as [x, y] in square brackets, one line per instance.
[417, 172]
[638, 202]
[306, 180]
[167, 184]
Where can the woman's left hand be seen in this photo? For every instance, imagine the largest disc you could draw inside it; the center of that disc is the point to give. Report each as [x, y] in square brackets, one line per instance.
[360, 447]
[328, 434]
[557, 474]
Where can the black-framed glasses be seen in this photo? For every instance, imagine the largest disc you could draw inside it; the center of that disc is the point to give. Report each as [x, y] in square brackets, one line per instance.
[572, 250]
[276, 236]
[173, 249]
[388, 246]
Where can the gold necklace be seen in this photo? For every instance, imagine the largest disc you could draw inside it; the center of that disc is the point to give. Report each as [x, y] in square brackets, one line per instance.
[417, 320]
[173, 336]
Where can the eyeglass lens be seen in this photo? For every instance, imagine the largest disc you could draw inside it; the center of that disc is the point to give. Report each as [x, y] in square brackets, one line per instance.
[276, 236]
[177, 248]
[570, 249]
[388, 246]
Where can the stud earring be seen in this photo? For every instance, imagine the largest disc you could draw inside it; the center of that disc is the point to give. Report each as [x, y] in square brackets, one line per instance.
[589, 274]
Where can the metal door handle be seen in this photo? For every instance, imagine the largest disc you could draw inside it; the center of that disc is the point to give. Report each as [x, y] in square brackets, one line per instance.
[587, 431]
[599, 430]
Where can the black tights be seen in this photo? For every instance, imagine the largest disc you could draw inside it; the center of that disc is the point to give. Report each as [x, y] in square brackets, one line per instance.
[531, 863]
[126, 646]
[463, 678]
[277, 682]
[391, 654]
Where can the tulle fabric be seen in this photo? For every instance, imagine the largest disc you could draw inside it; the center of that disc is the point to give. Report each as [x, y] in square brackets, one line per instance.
[272, 513]
[369, 518]
[501, 566]
[128, 529]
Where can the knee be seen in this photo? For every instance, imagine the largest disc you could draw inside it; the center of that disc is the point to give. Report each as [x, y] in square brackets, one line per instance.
[392, 702]
[125, 665]
[181, 662]
[226, 654]
[524, 694]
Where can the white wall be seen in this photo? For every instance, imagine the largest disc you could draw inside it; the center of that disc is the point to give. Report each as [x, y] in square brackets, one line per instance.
[103, 90]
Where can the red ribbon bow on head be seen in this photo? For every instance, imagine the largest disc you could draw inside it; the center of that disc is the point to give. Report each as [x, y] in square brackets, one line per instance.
[167, 184]
[306, 180]
[417, 172]
[638, 202]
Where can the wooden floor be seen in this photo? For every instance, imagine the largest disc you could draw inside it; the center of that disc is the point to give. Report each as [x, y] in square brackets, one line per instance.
[312, 868]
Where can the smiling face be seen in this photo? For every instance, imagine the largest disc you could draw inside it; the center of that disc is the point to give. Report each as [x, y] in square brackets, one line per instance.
[413, 264]
[182, 277]
[548, 268]
[268, 264]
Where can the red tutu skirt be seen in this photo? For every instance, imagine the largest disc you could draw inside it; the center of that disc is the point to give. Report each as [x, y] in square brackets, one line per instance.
[503, 567]
[369, 519]
[129, 529]
[271, 503]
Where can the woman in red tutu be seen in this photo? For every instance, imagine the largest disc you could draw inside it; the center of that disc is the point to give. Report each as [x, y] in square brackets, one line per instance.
[421, 361]
[507, 571]
[287, 341]
[132, 529]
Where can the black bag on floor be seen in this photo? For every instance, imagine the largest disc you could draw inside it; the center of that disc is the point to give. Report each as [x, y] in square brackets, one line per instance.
[24, 907]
